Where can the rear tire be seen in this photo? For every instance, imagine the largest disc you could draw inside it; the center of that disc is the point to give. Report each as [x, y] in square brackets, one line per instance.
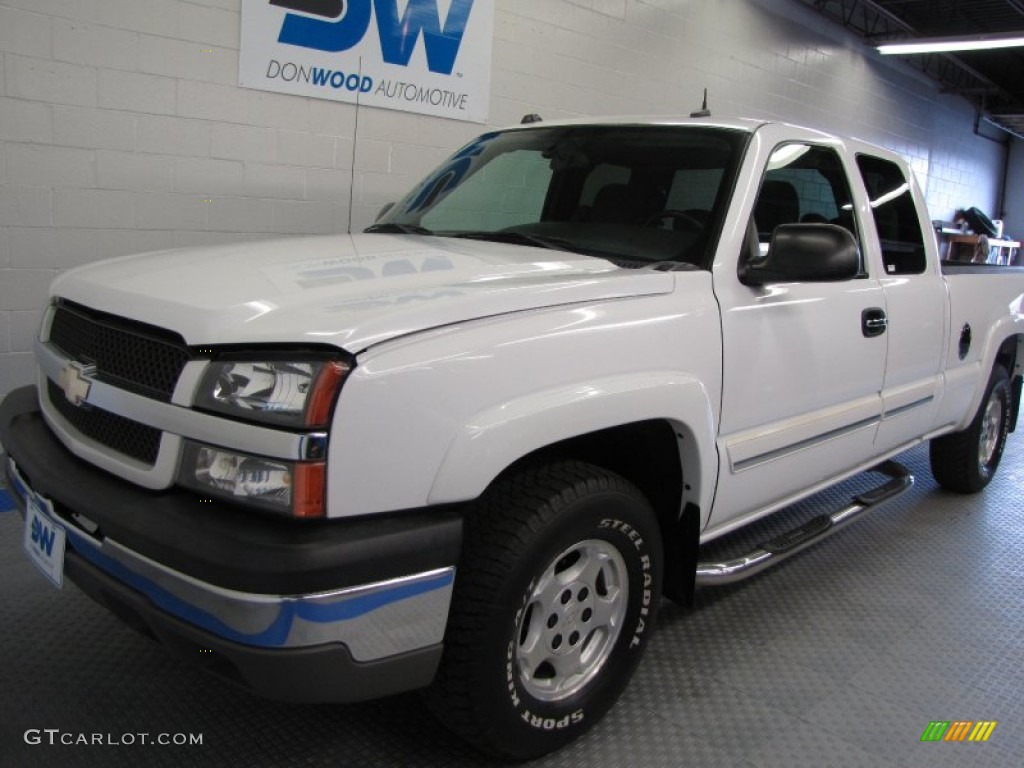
[966, 461]
[555, 599]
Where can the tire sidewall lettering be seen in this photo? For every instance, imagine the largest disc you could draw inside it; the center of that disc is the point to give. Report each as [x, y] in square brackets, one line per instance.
[634, 538]
[553, 717]
[1000, 392]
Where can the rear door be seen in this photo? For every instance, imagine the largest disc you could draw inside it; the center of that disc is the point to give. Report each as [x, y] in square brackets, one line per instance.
[915, 298]
[801, 394]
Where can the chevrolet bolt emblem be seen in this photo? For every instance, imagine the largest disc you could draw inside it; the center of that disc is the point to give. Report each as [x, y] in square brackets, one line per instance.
[75, 381]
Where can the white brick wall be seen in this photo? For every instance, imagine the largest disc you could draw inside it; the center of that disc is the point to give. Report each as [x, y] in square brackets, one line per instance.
[5, 332]
[122, 129]
[23, 32]
[134, 171]
[28, 77]
[174, 136]
[94, 128]
[25, 121]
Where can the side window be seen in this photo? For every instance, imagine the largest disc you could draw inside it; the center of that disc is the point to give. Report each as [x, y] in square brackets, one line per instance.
[803, 184]
[896, 220]
[502, 194]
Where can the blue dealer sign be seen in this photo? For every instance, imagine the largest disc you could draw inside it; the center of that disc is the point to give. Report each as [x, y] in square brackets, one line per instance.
[426, 56]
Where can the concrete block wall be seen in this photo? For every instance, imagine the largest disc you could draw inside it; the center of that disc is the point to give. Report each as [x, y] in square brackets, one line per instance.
[122, 128]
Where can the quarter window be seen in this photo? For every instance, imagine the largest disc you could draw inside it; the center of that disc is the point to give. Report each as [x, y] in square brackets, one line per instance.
[892, 206]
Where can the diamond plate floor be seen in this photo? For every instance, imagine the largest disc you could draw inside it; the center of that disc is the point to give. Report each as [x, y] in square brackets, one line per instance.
[841, 656]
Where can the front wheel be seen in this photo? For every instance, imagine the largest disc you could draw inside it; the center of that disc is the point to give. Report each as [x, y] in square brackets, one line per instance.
[555, 599]
[966, 461]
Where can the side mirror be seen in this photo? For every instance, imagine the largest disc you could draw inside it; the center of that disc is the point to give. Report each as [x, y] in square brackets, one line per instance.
[384, 209]
[805, 253]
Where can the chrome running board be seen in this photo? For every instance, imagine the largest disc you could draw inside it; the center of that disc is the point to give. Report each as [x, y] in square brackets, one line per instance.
[814, 530]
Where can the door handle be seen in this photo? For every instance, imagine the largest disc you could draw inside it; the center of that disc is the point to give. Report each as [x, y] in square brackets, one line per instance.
[873, 322]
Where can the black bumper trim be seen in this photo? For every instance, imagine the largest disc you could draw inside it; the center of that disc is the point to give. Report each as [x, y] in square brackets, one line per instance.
[324, 673]
[217, 542]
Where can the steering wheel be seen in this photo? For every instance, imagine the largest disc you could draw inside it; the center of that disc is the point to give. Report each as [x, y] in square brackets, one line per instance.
[677, 217]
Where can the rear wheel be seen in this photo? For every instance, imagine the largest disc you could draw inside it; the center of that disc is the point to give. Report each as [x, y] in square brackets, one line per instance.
[966, 461]
[555, 599]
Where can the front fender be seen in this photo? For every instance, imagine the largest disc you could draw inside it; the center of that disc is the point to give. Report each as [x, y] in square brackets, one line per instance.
[435, 417]
[497, 437]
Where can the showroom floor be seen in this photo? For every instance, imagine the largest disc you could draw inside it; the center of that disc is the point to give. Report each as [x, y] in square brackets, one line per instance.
[841, 656]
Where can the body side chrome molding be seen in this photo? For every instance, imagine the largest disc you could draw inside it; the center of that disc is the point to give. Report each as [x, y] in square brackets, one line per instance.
[810, 442]
[908, 407]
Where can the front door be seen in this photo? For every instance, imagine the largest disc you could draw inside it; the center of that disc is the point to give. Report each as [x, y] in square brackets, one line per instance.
[802, 375]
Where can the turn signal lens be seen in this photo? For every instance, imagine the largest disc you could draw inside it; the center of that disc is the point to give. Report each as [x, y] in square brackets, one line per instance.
[309, 487]
[321, 399]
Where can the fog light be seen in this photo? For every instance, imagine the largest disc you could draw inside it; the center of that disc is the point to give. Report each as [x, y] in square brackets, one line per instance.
[291, 488]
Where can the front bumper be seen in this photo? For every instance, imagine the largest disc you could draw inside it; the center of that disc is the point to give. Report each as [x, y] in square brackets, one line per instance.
[310, 611]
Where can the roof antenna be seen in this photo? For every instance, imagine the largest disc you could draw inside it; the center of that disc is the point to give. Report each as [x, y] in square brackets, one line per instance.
[703, 111]
[531, 118]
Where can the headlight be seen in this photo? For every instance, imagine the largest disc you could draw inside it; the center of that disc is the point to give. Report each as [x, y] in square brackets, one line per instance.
[283, 392]
[286, 487]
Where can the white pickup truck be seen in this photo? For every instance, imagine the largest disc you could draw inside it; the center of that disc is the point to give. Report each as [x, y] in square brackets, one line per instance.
[470, 449]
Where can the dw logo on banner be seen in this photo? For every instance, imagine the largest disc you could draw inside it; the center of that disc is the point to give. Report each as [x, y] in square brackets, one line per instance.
[426, 56]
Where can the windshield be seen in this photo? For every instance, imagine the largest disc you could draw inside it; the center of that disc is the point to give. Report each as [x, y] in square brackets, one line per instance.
[633, 194]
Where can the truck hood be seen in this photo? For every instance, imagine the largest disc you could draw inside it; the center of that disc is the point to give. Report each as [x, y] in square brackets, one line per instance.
[351, 291]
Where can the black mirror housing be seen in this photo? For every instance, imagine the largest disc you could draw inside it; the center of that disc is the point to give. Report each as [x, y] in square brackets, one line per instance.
[805, 253]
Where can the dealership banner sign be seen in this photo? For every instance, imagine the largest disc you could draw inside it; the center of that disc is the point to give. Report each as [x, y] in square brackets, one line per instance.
[426, 56]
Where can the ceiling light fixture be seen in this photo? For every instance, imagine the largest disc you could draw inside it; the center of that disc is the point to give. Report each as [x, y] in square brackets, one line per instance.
[950, 44]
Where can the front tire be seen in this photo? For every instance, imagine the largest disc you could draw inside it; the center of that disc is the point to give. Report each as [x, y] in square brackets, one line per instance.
[966, 461]
[555, 598]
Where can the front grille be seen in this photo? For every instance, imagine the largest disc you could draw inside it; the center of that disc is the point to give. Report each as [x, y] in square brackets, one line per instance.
[134, 356]
[123, 435]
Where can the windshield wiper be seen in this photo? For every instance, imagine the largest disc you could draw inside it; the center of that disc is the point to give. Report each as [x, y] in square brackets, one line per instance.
[391, 228]
[520, 238]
